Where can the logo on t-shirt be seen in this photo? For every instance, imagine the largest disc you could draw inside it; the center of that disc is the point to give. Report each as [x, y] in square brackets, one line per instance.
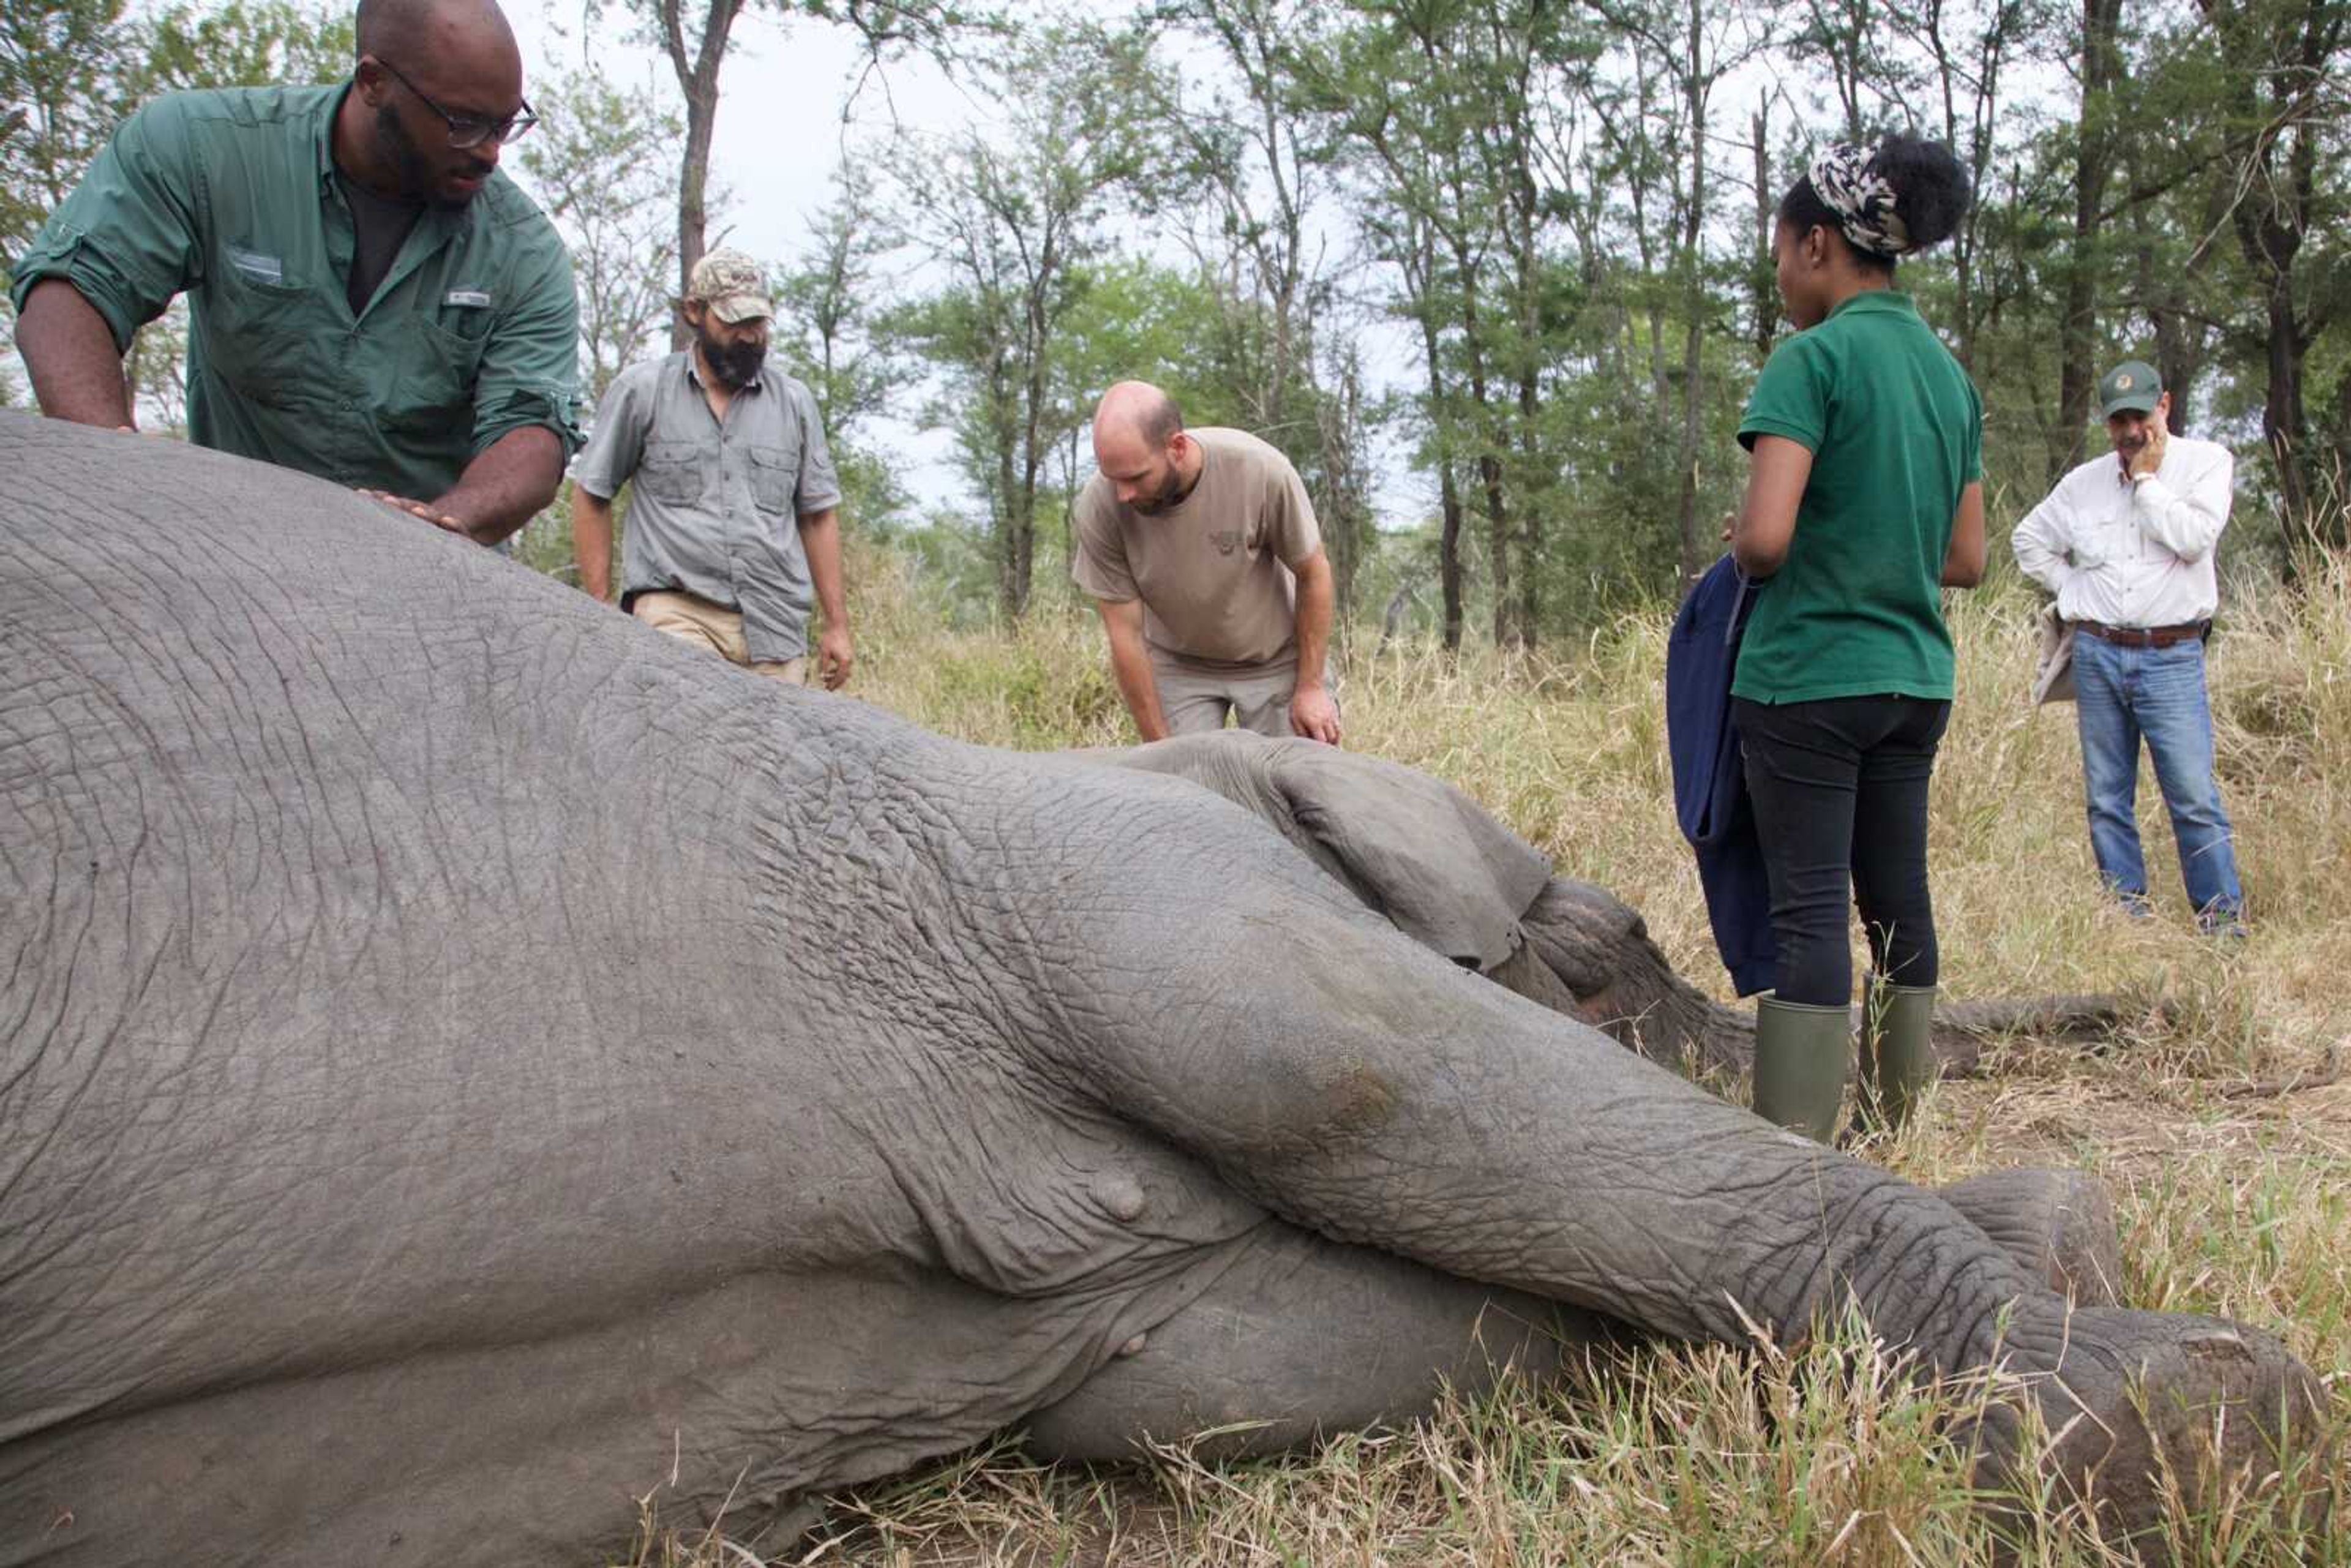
[1227, 540]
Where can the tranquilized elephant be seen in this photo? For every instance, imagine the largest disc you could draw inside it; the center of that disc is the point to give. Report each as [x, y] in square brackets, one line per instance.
[466, 1059]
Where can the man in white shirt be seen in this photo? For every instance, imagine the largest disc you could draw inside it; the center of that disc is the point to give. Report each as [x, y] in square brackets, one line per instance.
[2125, 543]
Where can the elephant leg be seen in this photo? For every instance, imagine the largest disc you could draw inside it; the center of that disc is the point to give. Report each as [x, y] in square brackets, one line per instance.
[1303, 1336]
[730, 1406]
[2058, 1224]
[1370, 1091]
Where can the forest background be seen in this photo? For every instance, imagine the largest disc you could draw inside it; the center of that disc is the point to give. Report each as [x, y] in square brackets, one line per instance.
[1494, 273]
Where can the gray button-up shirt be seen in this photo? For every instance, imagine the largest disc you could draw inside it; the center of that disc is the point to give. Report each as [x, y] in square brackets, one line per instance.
[716, 508]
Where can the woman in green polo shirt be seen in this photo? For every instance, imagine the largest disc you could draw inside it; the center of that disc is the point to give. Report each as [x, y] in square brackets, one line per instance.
[1864, 499]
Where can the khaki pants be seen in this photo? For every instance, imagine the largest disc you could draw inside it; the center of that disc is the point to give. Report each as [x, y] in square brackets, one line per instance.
[706, 625]
[1193, 701]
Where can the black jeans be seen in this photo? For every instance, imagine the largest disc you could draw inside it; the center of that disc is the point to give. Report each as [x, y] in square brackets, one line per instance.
[1840, 795]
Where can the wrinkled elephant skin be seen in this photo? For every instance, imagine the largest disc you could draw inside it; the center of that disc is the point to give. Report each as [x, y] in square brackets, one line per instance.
[468, 1060]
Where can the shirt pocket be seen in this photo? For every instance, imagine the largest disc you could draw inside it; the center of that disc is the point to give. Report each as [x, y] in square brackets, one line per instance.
[775, 477]
[435, 384]
[2106, 539]
[261, 335]
[674, 471]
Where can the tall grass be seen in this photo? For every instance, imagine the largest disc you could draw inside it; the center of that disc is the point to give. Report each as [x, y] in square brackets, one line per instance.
[2232, 1185]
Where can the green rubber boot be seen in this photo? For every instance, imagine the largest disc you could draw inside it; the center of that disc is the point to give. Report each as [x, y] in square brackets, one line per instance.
[1801, 1052]
[1897, 1051]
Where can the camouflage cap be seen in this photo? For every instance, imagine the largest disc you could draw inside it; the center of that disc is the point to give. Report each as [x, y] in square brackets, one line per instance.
[730, 283]
[2132, 386]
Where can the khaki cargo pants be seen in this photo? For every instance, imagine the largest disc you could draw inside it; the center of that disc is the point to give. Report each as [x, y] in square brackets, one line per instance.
[1195, 702]
[694, 620]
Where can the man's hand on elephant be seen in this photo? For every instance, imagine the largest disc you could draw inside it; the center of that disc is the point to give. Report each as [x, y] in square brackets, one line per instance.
[835, 657]
[418, 509]
[1314, 715]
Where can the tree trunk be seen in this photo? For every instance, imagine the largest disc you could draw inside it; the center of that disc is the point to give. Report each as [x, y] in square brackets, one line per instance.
[1420, 263]
[1448, 551]
[2078, 330]
[2278, 59]
[1392, 619]
[1762, 278]
[1696, 83]
[697, 82]
[1530, 519]
[1011, 535]
[1490, 464]
[1345, 524]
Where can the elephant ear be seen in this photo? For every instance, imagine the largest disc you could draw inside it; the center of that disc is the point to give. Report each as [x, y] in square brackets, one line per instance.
[1410, 846]
[1415, 848]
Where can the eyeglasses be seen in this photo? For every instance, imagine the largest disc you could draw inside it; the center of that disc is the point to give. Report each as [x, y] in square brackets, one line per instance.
[465, 129]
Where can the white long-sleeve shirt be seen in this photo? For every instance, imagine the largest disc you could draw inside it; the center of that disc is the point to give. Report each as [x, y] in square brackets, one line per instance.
[2133, 554]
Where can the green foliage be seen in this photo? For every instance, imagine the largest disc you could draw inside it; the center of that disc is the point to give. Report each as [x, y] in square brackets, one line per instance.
[1017, 223]
[828, 324]
[615, 208]
[64, 69]
[246, 42]
[1517, 244]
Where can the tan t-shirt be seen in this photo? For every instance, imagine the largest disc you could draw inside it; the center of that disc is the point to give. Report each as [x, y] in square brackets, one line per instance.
[1214, 570]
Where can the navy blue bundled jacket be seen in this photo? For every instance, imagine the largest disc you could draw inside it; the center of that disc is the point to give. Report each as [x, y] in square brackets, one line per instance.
[1709, 773]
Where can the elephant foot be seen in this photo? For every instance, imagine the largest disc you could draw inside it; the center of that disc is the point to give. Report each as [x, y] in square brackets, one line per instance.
[2058, 1224]
[2144, 1411]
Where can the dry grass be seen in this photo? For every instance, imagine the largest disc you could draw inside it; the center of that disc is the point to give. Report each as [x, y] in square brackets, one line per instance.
[2233, 1187]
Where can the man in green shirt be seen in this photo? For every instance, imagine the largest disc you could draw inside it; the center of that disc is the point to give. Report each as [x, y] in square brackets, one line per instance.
[369, 299]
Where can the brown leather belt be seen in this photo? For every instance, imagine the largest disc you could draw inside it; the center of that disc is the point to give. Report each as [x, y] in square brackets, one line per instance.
[2145, 636]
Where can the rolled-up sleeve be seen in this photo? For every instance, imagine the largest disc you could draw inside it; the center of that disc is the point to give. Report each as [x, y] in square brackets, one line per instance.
[128, 237]
[2042, 538]
[2187, 520]
[530, 370]
[816, 488]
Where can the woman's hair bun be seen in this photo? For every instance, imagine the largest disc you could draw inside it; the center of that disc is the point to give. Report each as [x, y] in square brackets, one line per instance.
[1931, 187]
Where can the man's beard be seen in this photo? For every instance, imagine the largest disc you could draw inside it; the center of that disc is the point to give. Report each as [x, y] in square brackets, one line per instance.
[417, 180]
[736, 365]
[1170, 492]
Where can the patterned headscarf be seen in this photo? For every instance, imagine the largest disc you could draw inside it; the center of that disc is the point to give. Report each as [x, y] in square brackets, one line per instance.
[1861, 198]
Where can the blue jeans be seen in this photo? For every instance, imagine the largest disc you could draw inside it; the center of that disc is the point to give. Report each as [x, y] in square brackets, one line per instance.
[2158, 693]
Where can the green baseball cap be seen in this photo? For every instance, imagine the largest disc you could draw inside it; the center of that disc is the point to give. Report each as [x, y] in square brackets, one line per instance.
[2132, 386]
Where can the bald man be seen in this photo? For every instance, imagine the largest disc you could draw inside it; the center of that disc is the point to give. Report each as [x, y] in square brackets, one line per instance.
[1201, 549]
[369, 299]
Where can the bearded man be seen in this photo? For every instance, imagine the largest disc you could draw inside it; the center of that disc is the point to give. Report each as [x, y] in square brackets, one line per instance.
[733, 518]
[1200, 551]
[369, 299]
